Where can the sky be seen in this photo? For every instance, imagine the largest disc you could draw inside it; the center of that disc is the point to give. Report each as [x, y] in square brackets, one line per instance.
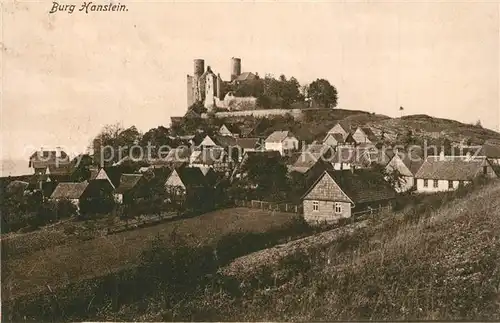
[65, 76]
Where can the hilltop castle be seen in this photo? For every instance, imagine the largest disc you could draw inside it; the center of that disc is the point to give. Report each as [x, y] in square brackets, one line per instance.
[207, 87]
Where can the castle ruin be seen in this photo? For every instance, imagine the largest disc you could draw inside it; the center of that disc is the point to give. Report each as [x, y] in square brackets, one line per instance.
[207, 87]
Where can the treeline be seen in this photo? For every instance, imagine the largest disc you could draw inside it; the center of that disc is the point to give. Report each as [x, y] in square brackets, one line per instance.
[281, 93]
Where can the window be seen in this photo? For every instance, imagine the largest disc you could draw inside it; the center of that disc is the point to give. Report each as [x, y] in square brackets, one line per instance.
[315, 206]
[426, 183]
[485, 170]
[436, 183]
[338, 208]
[450, 184]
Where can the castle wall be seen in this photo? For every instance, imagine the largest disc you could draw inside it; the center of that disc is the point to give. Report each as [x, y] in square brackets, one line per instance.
[190, 91]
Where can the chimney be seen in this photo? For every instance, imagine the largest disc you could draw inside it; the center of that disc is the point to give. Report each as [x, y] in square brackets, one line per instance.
[58, 152]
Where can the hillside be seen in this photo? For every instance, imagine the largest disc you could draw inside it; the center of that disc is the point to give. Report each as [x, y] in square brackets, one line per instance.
[441, 267]
[316, 123]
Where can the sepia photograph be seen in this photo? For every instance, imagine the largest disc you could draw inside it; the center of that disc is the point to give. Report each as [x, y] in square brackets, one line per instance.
[249, 161]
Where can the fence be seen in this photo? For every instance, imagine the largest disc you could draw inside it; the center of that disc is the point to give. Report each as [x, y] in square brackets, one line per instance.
[371, 211]
[271, 206]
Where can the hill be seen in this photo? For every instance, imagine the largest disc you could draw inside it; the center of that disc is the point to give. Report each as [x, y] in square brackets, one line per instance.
[315, 123]
[443, 266]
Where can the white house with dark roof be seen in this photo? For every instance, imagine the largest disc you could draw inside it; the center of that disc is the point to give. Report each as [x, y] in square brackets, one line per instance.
[282, 141]
[445, 173]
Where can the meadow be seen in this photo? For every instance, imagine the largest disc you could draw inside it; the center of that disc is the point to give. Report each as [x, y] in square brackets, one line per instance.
[66, 263]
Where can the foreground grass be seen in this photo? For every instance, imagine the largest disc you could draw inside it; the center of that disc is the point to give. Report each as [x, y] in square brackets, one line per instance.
[442, 267]
[431, 261]
[68, 263]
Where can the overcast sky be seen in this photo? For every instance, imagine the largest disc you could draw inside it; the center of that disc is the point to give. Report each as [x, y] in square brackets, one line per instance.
[67, 75]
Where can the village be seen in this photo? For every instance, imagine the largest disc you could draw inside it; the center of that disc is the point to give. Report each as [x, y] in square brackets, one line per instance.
[215, 161]
[350, 172]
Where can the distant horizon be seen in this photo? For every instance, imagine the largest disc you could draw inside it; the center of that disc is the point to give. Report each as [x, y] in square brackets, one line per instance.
[65, 78]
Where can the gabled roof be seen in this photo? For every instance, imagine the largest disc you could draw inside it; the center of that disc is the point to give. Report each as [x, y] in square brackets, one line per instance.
[361, 186]
[128, 182]
[191, 176]
[337, 136]
[69, 190]
[279, 136]
[343, 124]
[231, 127]
[451, 168]
[369, 133]
[245, 76]
[224, 141]
[413, 160]
[210, 156]
[490, 150]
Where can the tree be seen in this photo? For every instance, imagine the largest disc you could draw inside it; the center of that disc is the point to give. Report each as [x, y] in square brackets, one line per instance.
[478, 123]
[198, 107]
[323, 92]
[112, 140]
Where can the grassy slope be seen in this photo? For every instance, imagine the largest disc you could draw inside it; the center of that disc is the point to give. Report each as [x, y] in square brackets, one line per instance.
[317, 123]
[66, 263]
[444, 267]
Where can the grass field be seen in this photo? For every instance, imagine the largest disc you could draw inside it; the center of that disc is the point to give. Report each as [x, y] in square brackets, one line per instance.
[63, 264]
[442, 267]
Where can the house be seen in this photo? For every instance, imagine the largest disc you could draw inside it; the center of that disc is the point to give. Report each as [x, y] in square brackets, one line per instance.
[333, 139]
[252, 158]
[444, 173]
[339, 194]
[407, 164]
[343, 158]
[229, 130]
[42, 159]
[177, 157]
[282, 141]
[210, 175]
[126, 192]
[100, 174]
[215, 158]
[302, 162]
[340, 128]
[184, 181]
[74, 192]
[245, 145]
[363, 135]
[491, 150]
